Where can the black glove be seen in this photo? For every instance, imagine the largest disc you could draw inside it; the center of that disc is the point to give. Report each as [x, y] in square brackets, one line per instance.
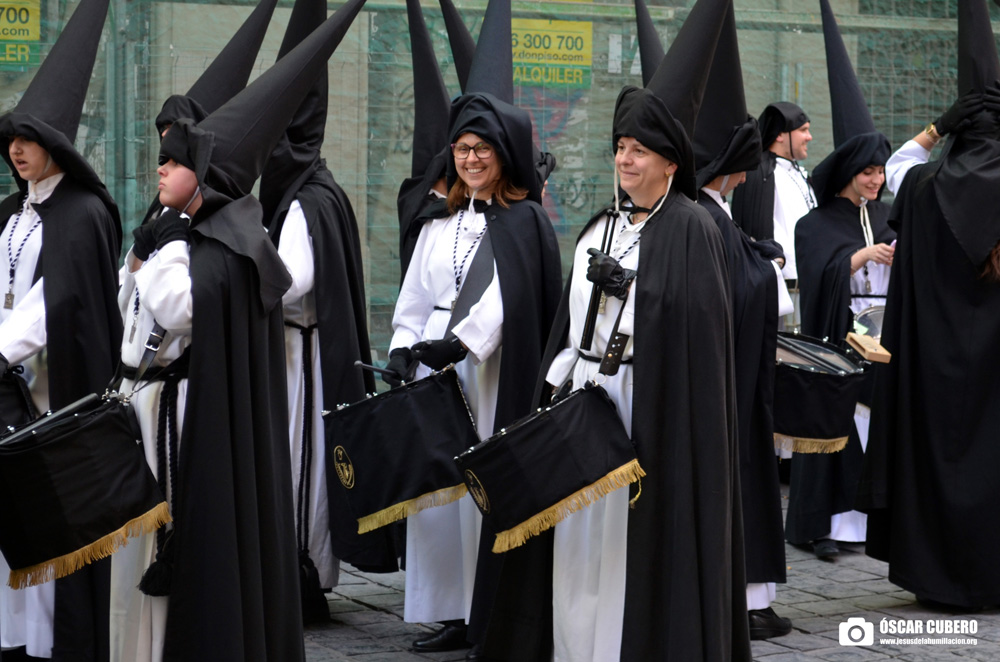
[605, 271]
[562, 392]
[436, 354]
[143, 242]
[4, 364]
[955, 118]
[400, 365]
[170, 226]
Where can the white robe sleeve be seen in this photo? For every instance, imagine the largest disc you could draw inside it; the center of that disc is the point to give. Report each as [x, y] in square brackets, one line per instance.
[164, 283]
[296, 251]
[482, 330]
[904, 158]
[23, 334]
[785, 305]
[414, 303]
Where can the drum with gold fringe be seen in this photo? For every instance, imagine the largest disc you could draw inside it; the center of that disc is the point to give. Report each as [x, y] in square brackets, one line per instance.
[560, 459]
[816, 388]
[74, 487]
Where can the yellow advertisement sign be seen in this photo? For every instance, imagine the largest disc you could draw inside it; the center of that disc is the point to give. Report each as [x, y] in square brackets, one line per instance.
[20, 20]
[20, 31]
[552, 53]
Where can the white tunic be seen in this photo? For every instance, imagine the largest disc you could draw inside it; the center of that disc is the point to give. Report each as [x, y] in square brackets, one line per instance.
[299, 306]
[910, 154]
[589, 549]
[163, 284]
[442, 542]
[26, 615]
[793, 198]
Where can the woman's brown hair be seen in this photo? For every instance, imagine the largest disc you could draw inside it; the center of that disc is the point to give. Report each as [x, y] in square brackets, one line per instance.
[504, 193]
[991, 271]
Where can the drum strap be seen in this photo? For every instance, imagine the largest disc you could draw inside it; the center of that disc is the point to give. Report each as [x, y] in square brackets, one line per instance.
[612, 359]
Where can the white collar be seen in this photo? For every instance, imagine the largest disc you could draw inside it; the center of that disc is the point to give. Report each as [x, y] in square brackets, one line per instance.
[40, 191]
[717, 196]
[790, 166]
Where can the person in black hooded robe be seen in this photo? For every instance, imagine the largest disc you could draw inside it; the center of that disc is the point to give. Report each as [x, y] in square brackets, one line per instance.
[726, 145]
[929, 482]
[312, 224]
[504, 332]
[63, 235]
[845, 250]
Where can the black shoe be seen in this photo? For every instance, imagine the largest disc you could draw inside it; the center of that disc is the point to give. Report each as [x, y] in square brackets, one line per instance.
[764, 624]
[826, 549]
[476, 654]
[448, 638]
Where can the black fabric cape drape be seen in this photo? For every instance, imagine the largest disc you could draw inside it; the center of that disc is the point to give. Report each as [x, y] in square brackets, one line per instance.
[81, 241]
[822, 484]
[235, 589]
[339, 293]
[754, 286]
[929, 483]
[753, 201]
[685, 585]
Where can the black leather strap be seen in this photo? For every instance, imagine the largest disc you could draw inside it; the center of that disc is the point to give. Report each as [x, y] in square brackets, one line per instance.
[616, 346]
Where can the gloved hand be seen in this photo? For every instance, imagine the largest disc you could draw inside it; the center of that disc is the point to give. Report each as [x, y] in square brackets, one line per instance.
[170, 226]
[436, 354]
[143, 242]
[955, 117]
[4, 364]
[401, 366]
[562, 392]
[605, 271]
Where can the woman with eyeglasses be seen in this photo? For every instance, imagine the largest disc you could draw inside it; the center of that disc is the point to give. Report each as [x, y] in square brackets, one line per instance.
[480, 291]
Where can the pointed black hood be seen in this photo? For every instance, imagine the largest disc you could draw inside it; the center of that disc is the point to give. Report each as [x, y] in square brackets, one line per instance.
[662, 116]
[228, 149]
[726, 139]
[49, 112]
[430, 96]
[506, 127]
[492, 68]
[225, 76]
[978, 64]
[463, 47]
[777, 118]
[297, 154]
[858, 144]
[650, 46]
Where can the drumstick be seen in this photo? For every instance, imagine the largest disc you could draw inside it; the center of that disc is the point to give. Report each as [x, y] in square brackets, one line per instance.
[381, 371]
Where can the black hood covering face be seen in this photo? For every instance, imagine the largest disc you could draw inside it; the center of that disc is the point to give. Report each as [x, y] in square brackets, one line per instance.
[463, 47]
[225, 76]
[779, 117]
[507, 128]
[229, 148]
[297, 154]
[640, 114]
[726, 139]
[835, 171]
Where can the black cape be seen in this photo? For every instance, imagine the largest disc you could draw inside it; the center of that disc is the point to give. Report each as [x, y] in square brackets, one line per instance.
[235, 590]
[753, 201]
[929, 483]
[81, 241]
[685, 593]
[822, 484]
[754, 286]
[342, 329]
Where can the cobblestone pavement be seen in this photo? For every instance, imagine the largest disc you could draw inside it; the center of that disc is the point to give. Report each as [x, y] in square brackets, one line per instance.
[367, 623]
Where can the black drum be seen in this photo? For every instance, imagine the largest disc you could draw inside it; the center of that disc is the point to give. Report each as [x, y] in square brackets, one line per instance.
[534, 473]
[816, 389]
[74, 487]
[392, 454]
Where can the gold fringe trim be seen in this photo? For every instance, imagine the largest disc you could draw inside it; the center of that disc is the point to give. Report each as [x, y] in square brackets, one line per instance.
[623, 476]
[403, 509]
[807, 445]
[105, 546]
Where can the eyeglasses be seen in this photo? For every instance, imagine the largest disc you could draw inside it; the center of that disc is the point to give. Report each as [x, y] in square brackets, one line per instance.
[461, 150]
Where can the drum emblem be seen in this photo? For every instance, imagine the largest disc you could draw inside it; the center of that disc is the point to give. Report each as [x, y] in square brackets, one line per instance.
[477, 491]
[345, 470]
